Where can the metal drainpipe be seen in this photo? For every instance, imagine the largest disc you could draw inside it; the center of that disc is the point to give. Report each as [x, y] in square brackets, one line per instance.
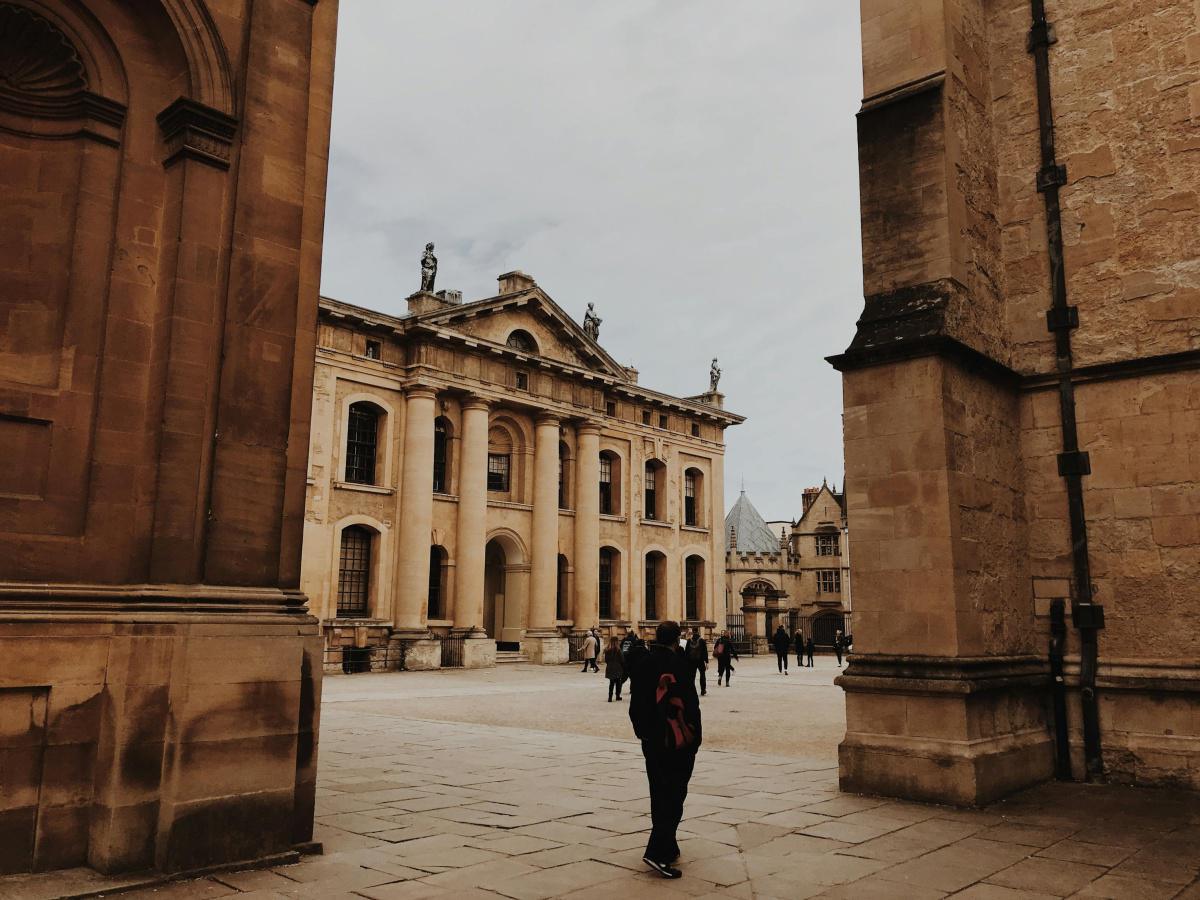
[1073, 463]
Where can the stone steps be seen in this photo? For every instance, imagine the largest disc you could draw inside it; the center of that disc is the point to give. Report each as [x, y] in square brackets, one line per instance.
[510, 656]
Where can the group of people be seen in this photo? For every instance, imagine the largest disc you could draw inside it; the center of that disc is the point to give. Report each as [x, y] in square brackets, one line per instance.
[784, 643]
[694, 649]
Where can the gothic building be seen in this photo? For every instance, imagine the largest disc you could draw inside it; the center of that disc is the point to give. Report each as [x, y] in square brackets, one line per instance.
[486, 471]
[795, 574]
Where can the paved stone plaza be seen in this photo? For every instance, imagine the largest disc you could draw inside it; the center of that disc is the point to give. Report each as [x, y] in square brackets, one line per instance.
[419, 799]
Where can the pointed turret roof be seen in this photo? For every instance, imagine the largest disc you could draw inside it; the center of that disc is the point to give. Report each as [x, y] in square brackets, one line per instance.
[752, 533]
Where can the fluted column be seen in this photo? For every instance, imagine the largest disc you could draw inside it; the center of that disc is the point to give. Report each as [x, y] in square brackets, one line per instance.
[416, 519]
[587, 525]
[544, 571]
[472, 515]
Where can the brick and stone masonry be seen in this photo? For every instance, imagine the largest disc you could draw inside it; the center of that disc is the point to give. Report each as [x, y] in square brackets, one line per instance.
[162, 179]
[954, 419]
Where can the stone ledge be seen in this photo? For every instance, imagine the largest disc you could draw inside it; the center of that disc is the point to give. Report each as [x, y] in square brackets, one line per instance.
[880, 673]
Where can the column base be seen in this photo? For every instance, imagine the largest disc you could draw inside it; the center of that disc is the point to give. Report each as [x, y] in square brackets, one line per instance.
[963, 731]
[479, 652]
[420, 654]
[546, 650]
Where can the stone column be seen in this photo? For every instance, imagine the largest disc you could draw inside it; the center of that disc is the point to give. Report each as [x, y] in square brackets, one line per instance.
[479, 650]
[543, 643]
[587, 525]
[416, 527]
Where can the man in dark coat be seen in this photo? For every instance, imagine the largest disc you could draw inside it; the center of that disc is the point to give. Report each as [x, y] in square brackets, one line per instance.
[798, 643]
[781, 642]
[660, 674]
[725, 653]
[809, 648]
[697, 653]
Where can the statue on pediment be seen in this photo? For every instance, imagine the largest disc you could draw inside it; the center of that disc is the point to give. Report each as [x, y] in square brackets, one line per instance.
[591, 323]
[428, 268]
[714, 376]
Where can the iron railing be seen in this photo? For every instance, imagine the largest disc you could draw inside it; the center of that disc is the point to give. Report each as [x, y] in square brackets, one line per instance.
[452, 651]
[353, 660]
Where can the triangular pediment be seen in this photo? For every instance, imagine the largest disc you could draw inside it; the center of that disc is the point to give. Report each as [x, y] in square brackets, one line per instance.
[499, 320]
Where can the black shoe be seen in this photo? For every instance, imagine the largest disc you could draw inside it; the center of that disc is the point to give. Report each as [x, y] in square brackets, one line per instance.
[704, 693]
[664, 869]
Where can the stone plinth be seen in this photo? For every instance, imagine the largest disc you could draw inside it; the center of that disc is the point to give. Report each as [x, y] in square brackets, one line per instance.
[420, 653]
[546, 650]
[479, 652]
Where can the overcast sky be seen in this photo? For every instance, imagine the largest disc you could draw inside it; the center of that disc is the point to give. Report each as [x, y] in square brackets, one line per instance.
[687, 165]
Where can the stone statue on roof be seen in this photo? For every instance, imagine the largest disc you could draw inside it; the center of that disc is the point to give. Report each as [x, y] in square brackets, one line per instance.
[428, 268]
[714, 376]
[591, 323]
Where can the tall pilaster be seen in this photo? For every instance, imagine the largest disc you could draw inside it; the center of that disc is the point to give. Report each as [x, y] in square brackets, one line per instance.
[587, 525]
[543, 641]
[472, 534]
[416, 526]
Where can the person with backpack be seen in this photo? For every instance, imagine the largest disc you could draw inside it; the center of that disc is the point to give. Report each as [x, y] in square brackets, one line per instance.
[781, 642]
[810, 647]
[628, 641]
[665, 712]
[590, 647]
[838, 645]
[697, 653]
[614, 668]
[725, 653]
[798, 642]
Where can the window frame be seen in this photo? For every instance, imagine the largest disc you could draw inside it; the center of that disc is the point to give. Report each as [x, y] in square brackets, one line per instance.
[437, 585]
[373, 345]
[361, 463]
[693, 569]
[497, 470]
[828, 543]
[604, 584]
[691, 506]
[359, 606]
[441, 455]
[829, 581]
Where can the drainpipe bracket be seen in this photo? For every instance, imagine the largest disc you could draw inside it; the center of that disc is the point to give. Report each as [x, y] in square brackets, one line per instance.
[1051, 175]
[1074, 462]
[1088, 615]
[1062, 318]
[1041, 35]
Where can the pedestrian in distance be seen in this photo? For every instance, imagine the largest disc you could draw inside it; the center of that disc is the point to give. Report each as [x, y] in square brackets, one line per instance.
[697, 652]
[665, 712]
[798, 642]
[809, 648]
[599, 647]
[782, 643]
[614, 668]
[838, 645]
[628, 642]
[590, 645]
[725, 654]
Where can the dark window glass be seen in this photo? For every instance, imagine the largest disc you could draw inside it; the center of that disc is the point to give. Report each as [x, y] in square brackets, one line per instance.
[692, 589]
[354, 572]
[827, 545]
[435, 582]
[695, 430]
[662, 421]
[498, 472]
[606, 492]
[689, 499]
[522, 381]
[560, 596]
[651, 491]
[522, 341]
[645, 417]
[610, 408]
[651, 588]
[374, 350]
[362, 434]
[606, 591]
[441, 443]
[562, 478]
[829, 581]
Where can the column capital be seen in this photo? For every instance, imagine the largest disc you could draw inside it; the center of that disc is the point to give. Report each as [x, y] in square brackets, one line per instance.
[587, 426]
[474, 401]
[547, 417]
[414, 391]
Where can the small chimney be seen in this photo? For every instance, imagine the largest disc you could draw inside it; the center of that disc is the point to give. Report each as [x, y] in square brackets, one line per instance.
[450, 297]
[514, 282]
[809, 496]
[423, 301]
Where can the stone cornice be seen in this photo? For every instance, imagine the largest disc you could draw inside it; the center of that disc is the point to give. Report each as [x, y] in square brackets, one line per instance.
[195, 131]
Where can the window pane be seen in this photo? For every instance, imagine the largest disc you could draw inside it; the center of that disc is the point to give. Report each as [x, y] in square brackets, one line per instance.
[354, 572]
[440, 443]
[435, 583]
[498, 467]
[606, 560]
[651, 589]
[691, 577]
[361, 436]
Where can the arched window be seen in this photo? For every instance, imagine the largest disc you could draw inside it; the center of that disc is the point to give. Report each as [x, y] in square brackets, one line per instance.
[500, 450]
[560, 596]
[522, 341]
[564, 476]
[441, 455]
[655, 585]
[655, 481]
[693, 496]
[437, 582]
[758, 589]
[354, 572]
[610, 483]
[693, 574]
[362, 440]
[609, 586]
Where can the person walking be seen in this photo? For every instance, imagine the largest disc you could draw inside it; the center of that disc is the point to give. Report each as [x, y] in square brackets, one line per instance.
[798, 643]
[782, 643]
[809, 648]
[838, 645]
[614, 668]
[725, 653]
[590, 646]
[665, 713]
[599, 647]
[629, 640]
[697, 652]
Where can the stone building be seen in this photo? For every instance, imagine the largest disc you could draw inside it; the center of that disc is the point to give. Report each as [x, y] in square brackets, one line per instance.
[486, 470]
[162, 181]
[1022, 405]
[795, 573]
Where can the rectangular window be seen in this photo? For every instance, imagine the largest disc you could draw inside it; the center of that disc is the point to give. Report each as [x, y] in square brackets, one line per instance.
[354, 573]
[560, 590]
[689, 500]
[645, 417]
[651, 492]
[374, 350]
[606, 591]
[498, 468]
[562, 484]
[435, 583]
[361, 438]
[691, 589]
[522, 381]
[695, 429]
[662, 421]
[606, 497]
[829, 581]
[610, 408]
[651, 589]
[827, 545]
[440, 447]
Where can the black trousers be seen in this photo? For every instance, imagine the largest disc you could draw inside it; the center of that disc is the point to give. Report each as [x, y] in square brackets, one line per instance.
[614, 684]
[703, 682]
[810, 655]
[668, 775]
[723, 669]
[782, 658]
[799, 659]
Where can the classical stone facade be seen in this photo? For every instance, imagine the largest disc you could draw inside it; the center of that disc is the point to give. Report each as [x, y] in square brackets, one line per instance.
[1021, 398]
[486, 470]
[162, 172]
[794, 573]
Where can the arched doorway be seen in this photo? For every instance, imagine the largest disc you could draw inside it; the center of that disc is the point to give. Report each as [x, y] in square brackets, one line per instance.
[825, 627]
[505, 589]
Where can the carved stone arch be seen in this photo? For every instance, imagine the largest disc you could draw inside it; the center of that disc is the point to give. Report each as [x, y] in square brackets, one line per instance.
[208, 60]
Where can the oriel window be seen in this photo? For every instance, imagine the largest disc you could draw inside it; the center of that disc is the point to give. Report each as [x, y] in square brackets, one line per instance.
[498, 471]
[362, 436]
[354, 573]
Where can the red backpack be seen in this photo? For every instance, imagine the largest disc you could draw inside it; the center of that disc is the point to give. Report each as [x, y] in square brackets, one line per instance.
[676, 733]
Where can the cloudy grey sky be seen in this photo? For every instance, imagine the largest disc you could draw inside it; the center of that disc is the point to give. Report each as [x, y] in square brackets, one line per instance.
[687, 165]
